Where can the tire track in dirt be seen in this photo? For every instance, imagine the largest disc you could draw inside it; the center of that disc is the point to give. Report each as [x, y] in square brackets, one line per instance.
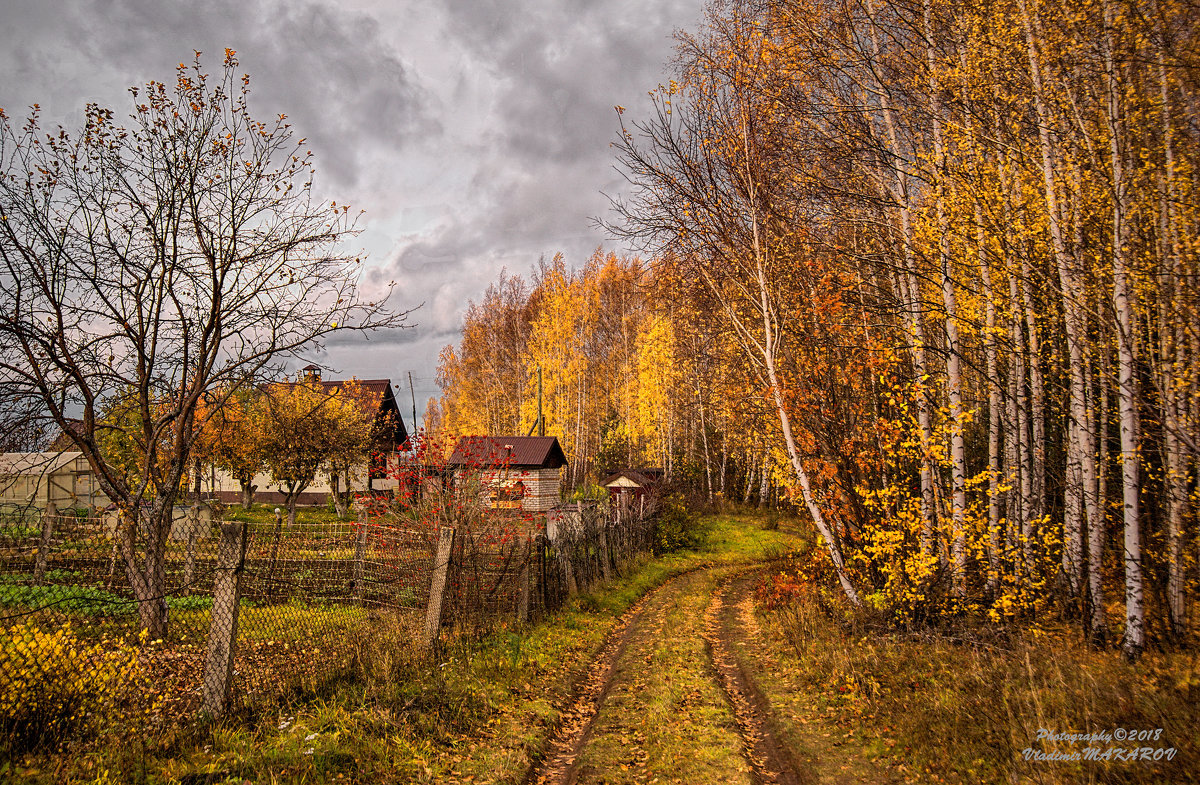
[559, 765]
[769, 759]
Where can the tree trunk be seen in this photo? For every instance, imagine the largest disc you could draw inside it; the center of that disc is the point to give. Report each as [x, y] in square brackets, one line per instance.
[724, 459]
[1127, 388]
[1098, 531]
[913, 309]
[1024, 455]
[708, 479]
[764, 487]
[1072, 287]
[1174, 352]
[954, 383]
[1014, 512]
[248, 489]
[994, 404]
[769, 349]
[339, 499]
[147, 578]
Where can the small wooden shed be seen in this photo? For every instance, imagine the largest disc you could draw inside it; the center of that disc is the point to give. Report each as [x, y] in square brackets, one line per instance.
[515, 472]
[628, 488]
[637, 482]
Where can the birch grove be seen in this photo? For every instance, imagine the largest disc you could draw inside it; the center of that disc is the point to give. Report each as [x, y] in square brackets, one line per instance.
[926, 272]
[1002, 195]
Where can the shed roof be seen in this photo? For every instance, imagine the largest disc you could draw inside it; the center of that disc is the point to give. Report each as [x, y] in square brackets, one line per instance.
[642, 477]
[542, 452]
[36, 463]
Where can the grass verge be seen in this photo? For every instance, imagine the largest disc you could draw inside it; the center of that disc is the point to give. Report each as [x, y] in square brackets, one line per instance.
[974, 704]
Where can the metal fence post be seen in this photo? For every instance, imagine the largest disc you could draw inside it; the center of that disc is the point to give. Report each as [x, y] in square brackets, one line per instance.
[43, 553]
[189, 563]
[437, 588]
[222, 636]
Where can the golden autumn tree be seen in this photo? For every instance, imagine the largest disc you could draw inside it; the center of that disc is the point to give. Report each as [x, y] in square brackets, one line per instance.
[307, 428]
[959, 238]
[232, 439]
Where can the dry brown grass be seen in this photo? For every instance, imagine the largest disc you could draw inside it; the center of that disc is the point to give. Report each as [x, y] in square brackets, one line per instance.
[965, 705]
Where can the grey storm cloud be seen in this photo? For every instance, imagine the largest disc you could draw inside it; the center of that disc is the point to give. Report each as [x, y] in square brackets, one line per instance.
[331, 71]
[475, 133]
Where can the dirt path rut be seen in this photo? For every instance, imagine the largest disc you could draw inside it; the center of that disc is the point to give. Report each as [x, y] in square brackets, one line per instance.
[665, 699]
[769, 758]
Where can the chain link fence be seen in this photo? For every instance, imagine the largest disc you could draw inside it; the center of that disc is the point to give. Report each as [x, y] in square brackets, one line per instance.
[255, 610]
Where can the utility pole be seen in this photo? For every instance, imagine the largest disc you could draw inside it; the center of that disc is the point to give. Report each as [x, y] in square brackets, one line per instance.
[413, 394]
[540, 423]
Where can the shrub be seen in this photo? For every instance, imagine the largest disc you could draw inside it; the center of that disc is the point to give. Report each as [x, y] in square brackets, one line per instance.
[51, 683]
[588, 492]
[677, 527]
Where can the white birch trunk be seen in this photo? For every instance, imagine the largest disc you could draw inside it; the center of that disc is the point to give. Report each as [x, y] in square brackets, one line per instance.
[1071, 287]
[1098, 530]
[1172, 332]
[764, 489]
[958, 450]
[1127, 386]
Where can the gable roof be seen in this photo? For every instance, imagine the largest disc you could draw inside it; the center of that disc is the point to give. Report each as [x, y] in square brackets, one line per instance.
[540, 452]
[36, 463]
[382, 388]
[640, 480]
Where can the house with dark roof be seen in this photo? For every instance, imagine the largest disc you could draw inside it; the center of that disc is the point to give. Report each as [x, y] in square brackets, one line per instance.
[63, 442]
[390, 433]
[390, 440]
[514, 472]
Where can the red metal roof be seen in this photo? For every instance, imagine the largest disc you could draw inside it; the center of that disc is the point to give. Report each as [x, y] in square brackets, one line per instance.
[540, 452]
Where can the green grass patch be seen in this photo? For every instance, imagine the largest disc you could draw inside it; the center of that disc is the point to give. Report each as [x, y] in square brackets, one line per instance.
[78, 600]
[264, 514]
[19, 531]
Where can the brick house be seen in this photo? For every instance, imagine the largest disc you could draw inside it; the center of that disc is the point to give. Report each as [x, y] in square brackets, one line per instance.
[514, 472]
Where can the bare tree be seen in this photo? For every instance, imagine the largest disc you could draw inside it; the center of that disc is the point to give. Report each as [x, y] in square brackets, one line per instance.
[183, 254]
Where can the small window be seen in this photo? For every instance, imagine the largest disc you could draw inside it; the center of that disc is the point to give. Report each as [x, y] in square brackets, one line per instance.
[508, 494]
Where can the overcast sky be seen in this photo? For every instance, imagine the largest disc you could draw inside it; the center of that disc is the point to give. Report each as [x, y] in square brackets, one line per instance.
[474, 133]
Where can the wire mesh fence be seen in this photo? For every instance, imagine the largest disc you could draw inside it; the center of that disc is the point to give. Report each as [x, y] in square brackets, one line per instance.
[252, 610]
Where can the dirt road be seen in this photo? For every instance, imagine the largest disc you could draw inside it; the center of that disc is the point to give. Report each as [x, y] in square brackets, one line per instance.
[666, 699]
